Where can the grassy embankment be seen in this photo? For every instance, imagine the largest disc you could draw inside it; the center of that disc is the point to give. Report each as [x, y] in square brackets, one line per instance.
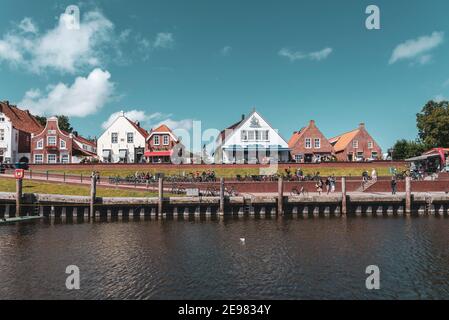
[9, 185]
[233, 171]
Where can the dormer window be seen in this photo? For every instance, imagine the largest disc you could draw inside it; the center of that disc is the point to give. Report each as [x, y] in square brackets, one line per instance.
[166, 140]
[156, 140]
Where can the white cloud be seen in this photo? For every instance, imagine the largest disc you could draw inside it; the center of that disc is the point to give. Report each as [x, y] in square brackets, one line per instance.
[61, 48]
[226, 51]
[439, 98]
[84, 97]
[316, 56]
[27, 26]
[150, 120]
[164, 40]
[417, 48]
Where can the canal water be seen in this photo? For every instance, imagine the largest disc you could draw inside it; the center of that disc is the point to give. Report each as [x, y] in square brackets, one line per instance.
[285, 258]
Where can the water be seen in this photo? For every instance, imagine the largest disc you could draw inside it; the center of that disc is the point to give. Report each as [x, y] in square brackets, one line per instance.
[280, 259]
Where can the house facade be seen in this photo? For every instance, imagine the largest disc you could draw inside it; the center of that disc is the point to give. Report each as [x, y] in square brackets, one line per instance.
[123, 142]
[160, 145]
[16, 127]
[356, 145]
[251, 140]
[310, 145]
[53, 145]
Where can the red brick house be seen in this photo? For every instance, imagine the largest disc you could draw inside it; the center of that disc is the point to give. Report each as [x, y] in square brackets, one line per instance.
[310, 145]
[356, 145]
[53, 145]
[160, 145]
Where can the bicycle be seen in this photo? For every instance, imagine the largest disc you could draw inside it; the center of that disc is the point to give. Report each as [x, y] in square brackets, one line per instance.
[301, 191]
[231, 192]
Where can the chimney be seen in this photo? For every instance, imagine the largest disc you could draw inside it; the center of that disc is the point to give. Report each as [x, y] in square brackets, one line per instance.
[137, 123]
[312, 123]
[362, 125]
[243, 117]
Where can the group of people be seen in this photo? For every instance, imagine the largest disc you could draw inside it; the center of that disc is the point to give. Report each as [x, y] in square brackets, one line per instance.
[329, 184]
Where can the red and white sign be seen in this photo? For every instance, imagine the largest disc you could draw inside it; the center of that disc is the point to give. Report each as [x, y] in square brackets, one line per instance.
[19, 173]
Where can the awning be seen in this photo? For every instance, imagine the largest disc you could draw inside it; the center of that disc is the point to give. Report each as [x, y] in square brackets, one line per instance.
[106, 153]
[123, 153]
[167, 153]
[424, 157]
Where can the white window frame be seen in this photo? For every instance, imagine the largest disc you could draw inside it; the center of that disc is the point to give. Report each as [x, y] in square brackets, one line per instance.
[165, 140]
[298, 157]
[355, 144]
[244, 135]
[48, 158]
[62, 144]
[308, 143]
[266, 135]
[370, 145]
[128, 135]
[42, 158]
[40, 144]
[156, 140]
[251, 135]
[374, 152]
[114, 135]
[315, 144]
[2, 134]
[65, 156]
[52, 144]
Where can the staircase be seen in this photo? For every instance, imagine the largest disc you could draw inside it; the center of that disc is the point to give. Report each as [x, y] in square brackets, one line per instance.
[366, 186]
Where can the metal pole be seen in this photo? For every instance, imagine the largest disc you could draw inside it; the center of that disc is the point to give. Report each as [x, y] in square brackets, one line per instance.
[408, 195]
[93, 194]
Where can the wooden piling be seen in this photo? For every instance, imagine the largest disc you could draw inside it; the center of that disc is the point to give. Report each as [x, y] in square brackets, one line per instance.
[93, 194]
[160, 196]
[408, 195]
[344, 205]
[280, 195]
[19, 184]
[222, 197]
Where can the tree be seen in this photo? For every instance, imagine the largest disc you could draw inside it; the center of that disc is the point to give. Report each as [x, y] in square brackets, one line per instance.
[404, 149]
[63, 122]
[433, 124]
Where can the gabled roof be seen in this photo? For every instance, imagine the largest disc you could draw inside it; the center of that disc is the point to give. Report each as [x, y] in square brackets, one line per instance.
[295, 137]
[162, 129]
[325, 145]
[21, 119]
[341, 142]
[141, 130]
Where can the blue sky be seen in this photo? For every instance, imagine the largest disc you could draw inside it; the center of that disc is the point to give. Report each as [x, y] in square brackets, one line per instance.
[173, 61]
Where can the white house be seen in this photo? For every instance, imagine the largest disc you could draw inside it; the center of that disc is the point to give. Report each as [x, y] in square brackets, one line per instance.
[16, 127]
[122, 142]
[251, 140]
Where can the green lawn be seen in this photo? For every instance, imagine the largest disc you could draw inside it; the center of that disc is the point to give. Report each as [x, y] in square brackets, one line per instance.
[9, 185]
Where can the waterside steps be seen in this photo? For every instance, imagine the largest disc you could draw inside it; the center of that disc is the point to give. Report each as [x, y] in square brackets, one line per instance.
[302, 206]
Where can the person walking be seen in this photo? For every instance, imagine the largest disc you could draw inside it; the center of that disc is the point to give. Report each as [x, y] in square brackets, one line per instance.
[333, 183]
[394, 185]
[374, 175]
[319, 186]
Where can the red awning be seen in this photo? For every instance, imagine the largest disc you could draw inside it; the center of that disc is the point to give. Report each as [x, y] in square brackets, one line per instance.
[158, 153]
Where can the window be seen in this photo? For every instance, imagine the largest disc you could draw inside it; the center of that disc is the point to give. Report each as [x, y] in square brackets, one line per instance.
[130, 137]
[308, 143]
[40, 144]
[65, 158]
[51, 158]
[265, 135]
[355, 144]
[156, 140]
[374, 155]
[165, 140]
[251, 135]
[370, 144]
[2, 134]
[51, 141]
[257, 134]
[317, 143]
[38, 158]
[244, 134]
[62, 144]
[51, 131]
[2, 119]
[114, 137]
[298, 157]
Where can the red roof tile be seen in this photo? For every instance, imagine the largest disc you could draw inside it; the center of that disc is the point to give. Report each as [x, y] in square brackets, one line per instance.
[21, 119]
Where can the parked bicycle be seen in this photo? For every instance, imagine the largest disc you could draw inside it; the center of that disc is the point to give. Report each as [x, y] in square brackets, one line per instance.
[300, 190]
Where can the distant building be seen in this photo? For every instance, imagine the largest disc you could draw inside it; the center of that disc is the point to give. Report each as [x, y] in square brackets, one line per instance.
[16, 127]
[53, 145]
[251, 140]
[161, 144]
[310, 145]
[356, 145]
[123, 142]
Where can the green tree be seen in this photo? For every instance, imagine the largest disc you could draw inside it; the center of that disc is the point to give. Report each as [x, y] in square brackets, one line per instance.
[404, 149]
[41, 120]
[433, 124]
